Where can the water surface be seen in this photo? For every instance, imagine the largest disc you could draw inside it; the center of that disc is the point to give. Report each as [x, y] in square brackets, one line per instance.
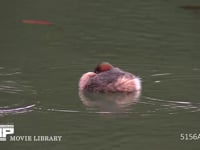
[40, 67]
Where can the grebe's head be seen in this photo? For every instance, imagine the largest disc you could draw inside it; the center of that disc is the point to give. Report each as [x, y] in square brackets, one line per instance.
[105, 66]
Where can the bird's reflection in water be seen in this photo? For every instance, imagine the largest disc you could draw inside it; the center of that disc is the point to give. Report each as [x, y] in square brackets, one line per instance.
[109, 102]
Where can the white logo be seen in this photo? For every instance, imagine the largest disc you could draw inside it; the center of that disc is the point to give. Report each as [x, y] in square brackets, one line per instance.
[6, 130]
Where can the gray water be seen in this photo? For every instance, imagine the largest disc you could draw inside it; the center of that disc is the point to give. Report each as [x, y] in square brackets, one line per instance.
[40, 67]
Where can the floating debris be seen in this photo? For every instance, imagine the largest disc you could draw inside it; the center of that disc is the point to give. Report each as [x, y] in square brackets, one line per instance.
[191, 7]
[38, 22]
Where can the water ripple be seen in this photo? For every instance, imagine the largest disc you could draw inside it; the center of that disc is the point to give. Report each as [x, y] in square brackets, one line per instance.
[161, 74]
[78, 111]
[10, 74]
[14, 87]
[171, 105]
[17, 110]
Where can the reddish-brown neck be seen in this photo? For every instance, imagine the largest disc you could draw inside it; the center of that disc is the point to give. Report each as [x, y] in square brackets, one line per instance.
[103, 67]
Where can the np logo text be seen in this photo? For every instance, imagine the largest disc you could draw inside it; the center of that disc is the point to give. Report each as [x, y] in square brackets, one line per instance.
[6, 130]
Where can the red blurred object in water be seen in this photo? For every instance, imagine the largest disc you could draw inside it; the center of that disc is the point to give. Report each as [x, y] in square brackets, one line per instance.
[39, 22]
